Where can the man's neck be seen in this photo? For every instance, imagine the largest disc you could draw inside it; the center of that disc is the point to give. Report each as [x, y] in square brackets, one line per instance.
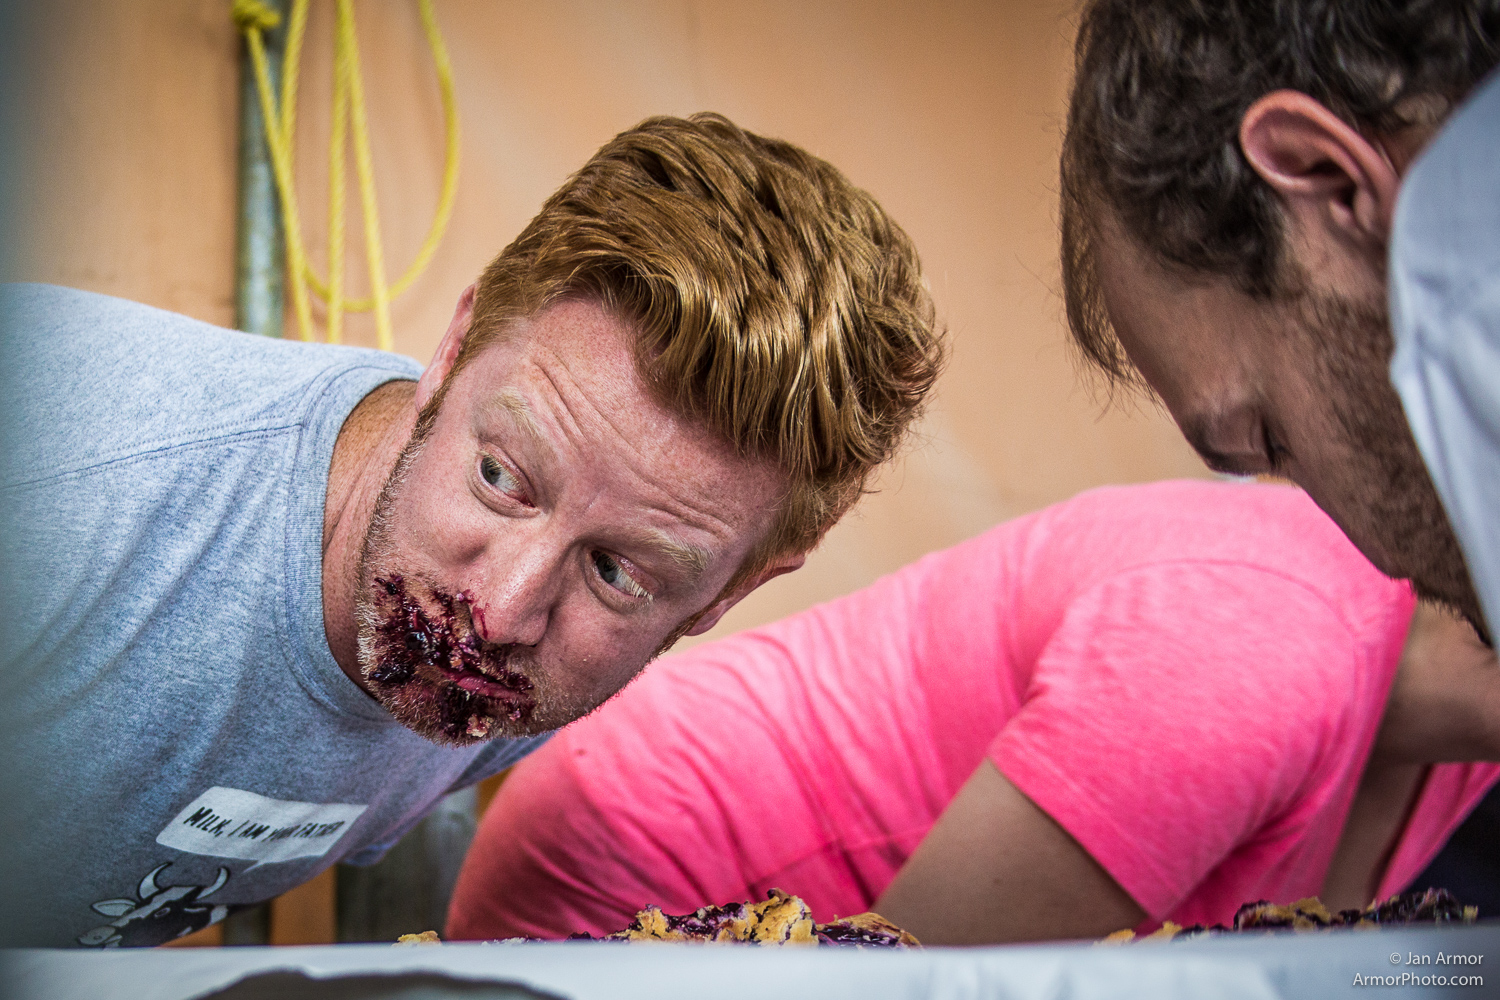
[364, 454]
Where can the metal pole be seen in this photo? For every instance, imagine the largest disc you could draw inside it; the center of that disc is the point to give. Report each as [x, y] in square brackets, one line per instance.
[260, 249]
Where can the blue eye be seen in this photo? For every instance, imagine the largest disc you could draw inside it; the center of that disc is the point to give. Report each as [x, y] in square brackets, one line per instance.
[497, 475]
[612, 573]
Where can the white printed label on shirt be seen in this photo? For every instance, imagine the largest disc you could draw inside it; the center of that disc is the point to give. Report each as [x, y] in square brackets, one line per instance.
[233, 823]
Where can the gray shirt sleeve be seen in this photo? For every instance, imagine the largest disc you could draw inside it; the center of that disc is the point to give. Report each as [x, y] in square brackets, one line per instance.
[1445, 311]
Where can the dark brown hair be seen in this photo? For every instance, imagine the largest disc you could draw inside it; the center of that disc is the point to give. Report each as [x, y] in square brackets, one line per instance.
[1160, 88]
[775, 301]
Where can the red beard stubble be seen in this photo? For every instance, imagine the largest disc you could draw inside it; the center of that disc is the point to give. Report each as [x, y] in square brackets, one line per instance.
[409, 652]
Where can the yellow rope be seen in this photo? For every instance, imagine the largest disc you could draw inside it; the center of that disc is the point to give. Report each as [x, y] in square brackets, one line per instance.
[348, 108]
[291, 56]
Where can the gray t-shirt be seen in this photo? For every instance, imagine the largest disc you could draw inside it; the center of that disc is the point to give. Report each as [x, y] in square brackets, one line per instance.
[178, 738]
[1445, 311]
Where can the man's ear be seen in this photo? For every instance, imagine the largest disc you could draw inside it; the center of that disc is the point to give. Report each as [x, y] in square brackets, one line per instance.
[1321, 166]
[447, 352]
[711, 617]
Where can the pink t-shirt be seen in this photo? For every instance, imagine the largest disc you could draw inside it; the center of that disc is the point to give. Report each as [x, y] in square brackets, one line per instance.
[1187, 676]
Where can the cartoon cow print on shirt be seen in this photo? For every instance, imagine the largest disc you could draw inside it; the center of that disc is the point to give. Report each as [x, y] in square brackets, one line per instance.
[162, 913]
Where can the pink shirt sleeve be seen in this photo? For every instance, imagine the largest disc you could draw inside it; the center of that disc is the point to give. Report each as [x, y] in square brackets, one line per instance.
[1188, 718]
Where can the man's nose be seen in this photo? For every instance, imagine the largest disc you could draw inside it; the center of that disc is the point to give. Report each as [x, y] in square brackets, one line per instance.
[518, 588]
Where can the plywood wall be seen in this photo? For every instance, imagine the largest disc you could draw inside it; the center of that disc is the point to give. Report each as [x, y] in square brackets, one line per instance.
[947, 112]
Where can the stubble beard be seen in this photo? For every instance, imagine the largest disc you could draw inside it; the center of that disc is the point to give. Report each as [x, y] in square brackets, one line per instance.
[1391, 492]
[409, 630]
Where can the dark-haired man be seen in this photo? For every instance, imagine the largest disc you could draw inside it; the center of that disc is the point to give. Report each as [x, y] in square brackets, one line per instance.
[267, 602]
[1230, 175]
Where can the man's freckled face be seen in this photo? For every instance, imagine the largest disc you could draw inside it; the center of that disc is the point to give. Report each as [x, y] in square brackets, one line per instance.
[581, 520]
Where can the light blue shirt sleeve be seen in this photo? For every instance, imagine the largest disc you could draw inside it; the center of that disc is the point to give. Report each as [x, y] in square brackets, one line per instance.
[1445, 311]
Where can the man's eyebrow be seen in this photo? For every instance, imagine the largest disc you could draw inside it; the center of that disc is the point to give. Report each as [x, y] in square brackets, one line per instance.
[692, 558]
[512, 402]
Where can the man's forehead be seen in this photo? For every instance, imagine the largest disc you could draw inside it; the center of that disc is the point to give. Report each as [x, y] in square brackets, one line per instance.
[599, 404]
[578, 332]
[1121, 256]
[1146, 298]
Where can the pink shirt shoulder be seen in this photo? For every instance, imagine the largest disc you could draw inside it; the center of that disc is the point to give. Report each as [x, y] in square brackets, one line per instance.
[1200, 713]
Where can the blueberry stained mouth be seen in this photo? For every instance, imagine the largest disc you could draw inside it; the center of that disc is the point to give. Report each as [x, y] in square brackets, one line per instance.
[474, 686]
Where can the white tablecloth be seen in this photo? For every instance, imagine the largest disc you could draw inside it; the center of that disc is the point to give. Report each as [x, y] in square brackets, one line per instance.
[1234, 968]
